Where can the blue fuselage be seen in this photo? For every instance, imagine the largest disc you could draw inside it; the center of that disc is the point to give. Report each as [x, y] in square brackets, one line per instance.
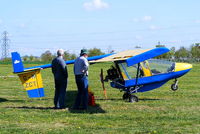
[150, 82]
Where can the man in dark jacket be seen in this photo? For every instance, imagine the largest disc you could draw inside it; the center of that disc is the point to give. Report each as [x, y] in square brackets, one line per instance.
[59, 70]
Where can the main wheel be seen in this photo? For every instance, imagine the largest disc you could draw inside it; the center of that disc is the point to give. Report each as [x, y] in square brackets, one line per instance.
[174, 87]
[133, 98]
[125, 96]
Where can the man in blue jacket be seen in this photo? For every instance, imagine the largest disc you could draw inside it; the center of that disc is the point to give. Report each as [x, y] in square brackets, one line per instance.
[81, 76]
[59, 70]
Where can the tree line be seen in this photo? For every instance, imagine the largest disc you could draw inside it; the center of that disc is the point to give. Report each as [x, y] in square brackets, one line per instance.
[48, 56]
[183, 54]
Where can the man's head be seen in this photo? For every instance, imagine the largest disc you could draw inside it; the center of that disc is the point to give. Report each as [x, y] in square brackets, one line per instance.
[84, 52]
[60, 52]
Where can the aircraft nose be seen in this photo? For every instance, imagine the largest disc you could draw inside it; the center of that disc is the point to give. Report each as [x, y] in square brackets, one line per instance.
[182, 66]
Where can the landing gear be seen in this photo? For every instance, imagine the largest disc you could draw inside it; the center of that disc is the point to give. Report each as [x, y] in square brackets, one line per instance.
[131, 98]
[125, 96]
[174, 86]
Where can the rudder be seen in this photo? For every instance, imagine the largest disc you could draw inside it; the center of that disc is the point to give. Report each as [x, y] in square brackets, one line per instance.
[17, 62]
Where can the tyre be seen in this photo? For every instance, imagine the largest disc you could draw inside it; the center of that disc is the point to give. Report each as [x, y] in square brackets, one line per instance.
[125, 96]
[174, 87]
[133, 98]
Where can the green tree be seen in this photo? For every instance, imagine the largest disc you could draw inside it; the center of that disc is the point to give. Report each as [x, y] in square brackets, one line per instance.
[95, 52]
[31, 58]
[195, 50]
[73, 56]
[25, 58]
[47, 56]
[182, 53]
[69, 56]
[160, 45]
[6, 60]
[171, 53]
[163, 56]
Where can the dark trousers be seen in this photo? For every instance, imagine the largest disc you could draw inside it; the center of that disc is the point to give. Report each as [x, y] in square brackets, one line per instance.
[60, 93]
[82, 96]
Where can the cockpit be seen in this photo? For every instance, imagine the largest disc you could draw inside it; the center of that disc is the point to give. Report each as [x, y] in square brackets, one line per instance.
[121, 71]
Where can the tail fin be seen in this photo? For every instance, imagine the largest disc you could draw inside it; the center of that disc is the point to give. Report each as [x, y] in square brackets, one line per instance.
[31, 78]
[17, 62]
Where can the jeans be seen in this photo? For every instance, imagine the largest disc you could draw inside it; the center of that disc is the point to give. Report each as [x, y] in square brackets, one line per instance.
[82, 96]
[60, 93]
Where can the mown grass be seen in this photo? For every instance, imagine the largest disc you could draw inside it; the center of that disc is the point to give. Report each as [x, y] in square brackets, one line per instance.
[159, 111]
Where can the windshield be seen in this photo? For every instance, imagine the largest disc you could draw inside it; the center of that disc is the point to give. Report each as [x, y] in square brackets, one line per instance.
[147, 68]
[128, 72]
[160, 66]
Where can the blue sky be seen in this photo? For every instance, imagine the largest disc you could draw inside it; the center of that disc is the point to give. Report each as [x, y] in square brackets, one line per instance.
[35, 26]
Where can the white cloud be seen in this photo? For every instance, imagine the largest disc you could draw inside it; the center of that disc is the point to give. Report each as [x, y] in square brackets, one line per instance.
[136, 20]
[147, 18]
[22, 25]
[138, 37]
[1, 21]
[143, 19]
[197, 21]
[153, 27]
[95, 5]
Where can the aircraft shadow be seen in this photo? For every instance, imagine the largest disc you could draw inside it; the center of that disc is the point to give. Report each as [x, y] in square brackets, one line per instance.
[71, 95]
[149, 99]
[111, 99]
[140, 99]
[70, 99]
[3, 100]
[26, 107]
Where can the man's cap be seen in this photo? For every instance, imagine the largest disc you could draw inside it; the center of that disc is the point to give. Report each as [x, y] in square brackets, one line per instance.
[84, 51]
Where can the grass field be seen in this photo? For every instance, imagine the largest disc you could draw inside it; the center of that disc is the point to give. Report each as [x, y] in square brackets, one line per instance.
[159, 111]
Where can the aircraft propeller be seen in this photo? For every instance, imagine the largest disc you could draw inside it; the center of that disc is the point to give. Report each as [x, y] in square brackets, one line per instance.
[102, 82]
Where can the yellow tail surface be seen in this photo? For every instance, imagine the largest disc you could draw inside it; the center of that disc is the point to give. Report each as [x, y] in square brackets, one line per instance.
[32, 82]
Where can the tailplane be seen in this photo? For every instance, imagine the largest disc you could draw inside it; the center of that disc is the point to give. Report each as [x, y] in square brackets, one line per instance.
[32, 82]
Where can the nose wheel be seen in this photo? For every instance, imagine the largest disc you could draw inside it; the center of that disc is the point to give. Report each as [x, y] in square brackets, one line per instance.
[174, 86]
[131, 98]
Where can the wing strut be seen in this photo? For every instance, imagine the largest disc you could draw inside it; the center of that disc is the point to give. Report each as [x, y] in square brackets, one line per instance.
[137, 75]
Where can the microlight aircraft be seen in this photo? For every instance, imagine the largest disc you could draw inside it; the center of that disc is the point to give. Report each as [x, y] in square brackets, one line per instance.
[132, 71]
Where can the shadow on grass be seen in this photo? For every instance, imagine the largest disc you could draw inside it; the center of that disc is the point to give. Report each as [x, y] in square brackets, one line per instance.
[71, 95]
[111, 99]
[3, 100]
[90, 110]
[70, 99]
[149, 99]
[6, 100]
[26, 107]
[114, 99]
